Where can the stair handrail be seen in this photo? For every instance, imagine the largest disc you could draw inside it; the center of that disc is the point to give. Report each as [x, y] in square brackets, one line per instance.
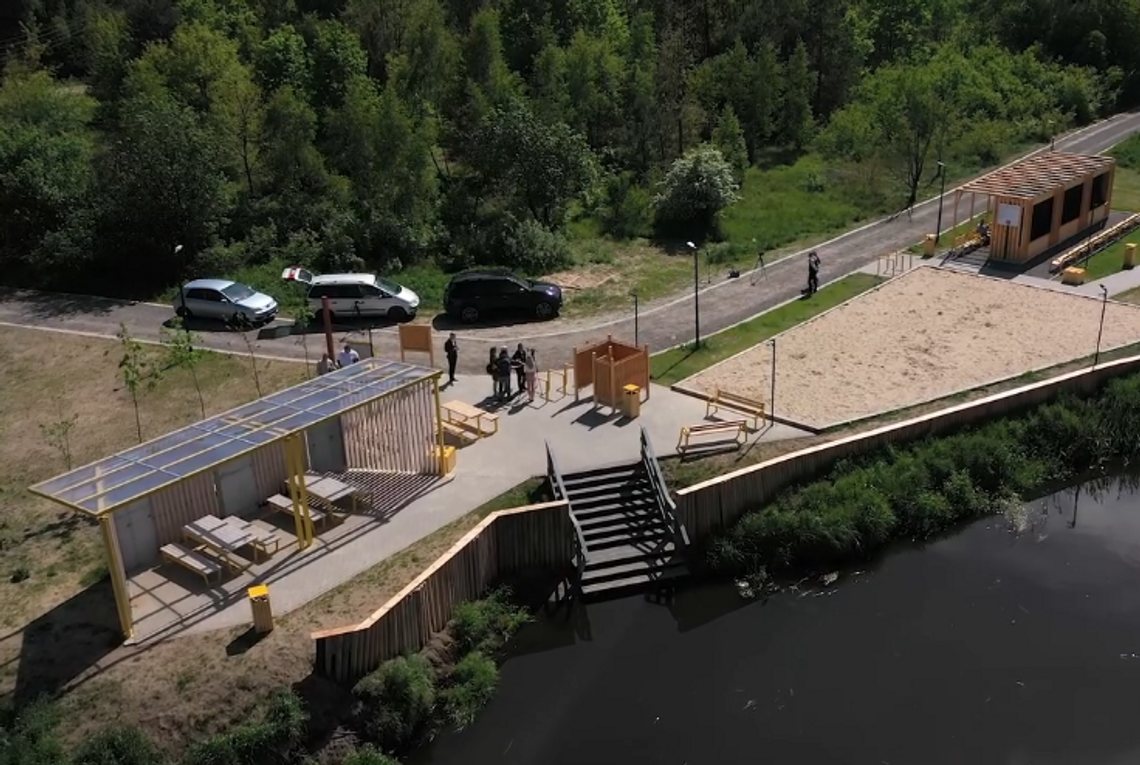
[558, 488]
[665, 504]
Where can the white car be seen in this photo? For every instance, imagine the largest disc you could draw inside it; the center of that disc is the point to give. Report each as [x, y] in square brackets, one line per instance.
[356, 295]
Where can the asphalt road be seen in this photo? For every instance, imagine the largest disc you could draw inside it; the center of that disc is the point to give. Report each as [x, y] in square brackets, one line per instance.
[663, 324]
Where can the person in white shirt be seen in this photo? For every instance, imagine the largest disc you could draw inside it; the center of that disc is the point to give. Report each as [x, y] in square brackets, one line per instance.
[347, 356]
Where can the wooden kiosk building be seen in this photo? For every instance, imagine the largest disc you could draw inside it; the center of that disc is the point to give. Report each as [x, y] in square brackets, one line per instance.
[1041, 202]
[373, 417]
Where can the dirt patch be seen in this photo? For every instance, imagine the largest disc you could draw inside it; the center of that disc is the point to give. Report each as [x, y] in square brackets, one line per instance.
[923, 336]
[591, 277]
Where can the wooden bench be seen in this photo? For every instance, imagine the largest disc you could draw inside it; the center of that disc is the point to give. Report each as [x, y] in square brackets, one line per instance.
[739, 429]
[265, 539]
[283, 504]
[464, 431]
[191, 560]
[733, 402]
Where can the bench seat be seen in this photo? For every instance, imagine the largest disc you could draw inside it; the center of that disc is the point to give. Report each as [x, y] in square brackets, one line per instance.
[266, 540]
[733, 402]
[283, 504]
[738, 428]
[191, 560]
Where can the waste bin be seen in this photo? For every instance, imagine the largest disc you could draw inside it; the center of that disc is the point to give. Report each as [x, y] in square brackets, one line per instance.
[631, 401]
[262, 611]
[448, 458]
[1130, 255]
[928, 245]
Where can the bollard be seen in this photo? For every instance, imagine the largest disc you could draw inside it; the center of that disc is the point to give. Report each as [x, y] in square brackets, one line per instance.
[262, 610]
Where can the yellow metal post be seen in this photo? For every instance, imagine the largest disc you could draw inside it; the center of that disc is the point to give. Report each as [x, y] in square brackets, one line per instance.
[439, 427]
[295, 463]
[118, 577]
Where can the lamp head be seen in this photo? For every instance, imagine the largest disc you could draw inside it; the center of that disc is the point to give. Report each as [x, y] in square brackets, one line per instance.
[177, 249]
[691, 245]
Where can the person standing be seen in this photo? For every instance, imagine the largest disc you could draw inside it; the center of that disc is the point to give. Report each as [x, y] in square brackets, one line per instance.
[451, 350]
[530, 369]
[347, 356]
[503, 374]
[518, 359]
[325, 365]
[493, 371]
[813, 273]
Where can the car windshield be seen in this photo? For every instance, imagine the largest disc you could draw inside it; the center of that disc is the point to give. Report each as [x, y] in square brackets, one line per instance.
[388, 286]
[236, 292]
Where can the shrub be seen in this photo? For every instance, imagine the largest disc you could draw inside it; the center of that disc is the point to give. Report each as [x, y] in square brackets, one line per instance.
[697, 188]
[28, 736]
[368, 755]
[627, 210]
[476, 679]
[394, 703]
[117, 746]
[485, 625]
[273, 738]
[927, 487]
[530, 247]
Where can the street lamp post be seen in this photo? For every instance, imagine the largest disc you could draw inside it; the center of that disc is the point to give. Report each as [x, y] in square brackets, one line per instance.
[696, 294]
[772, 408]
[635, 318]
[181, 295]
[941, 194]
[1100, 332]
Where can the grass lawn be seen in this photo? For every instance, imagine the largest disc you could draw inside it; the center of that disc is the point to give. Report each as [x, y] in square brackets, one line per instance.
[1109, 260]
[677, 364]
[1126, 190]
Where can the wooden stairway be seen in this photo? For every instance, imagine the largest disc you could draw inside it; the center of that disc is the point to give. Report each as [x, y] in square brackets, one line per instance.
[628, 536]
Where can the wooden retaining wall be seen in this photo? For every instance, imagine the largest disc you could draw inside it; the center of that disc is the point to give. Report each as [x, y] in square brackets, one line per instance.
[504, 543]
[713, 505]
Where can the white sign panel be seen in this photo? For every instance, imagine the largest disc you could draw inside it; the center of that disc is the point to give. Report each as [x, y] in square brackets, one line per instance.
[1009, 215]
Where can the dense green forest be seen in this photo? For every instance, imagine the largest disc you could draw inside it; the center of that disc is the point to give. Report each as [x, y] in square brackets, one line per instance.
[440, 134]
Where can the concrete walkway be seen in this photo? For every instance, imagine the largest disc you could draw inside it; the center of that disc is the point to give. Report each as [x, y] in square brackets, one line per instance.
[167, 603]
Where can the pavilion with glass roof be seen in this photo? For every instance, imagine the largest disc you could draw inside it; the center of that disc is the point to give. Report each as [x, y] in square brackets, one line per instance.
[373, 416]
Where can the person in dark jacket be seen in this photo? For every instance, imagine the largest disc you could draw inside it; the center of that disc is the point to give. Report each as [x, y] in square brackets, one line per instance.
[503, 374]
[813, 273]
[451, 350]
[517, 360]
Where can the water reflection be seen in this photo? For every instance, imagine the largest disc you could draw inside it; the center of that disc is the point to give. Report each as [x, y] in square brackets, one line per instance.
[1015, 641]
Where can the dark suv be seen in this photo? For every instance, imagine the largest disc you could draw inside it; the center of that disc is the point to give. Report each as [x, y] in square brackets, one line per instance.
[473, 295]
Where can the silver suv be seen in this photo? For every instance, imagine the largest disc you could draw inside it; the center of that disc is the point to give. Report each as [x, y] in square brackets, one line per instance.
[356, 295]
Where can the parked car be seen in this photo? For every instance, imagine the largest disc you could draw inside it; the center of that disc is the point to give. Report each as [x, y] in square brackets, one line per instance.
[226, 301]
[356, 295]
[476, 294]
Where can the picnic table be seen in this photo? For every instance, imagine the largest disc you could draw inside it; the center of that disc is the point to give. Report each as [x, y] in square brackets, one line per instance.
[223, 537]
[464, 420]
[329, 490]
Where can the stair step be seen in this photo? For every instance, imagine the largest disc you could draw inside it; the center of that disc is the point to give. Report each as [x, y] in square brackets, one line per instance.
[623, 554]
[635, 581]
[645, 515]
[607, 489]
[645, 566]
[618, 472]
[616, 538]
[612, 508]
[603, 484]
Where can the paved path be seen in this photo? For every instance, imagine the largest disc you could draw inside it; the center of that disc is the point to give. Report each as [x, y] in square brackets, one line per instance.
[664, 324]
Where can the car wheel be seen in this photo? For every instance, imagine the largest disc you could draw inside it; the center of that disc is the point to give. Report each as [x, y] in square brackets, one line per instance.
[241, 321]
[397, 314]
[544, 310]
[470, 314]
[182, 312]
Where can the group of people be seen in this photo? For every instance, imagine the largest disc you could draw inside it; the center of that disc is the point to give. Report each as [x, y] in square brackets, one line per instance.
[348, 355]
[503, 365]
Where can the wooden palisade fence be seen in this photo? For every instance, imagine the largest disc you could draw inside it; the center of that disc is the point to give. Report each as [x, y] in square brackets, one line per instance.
[540, 537]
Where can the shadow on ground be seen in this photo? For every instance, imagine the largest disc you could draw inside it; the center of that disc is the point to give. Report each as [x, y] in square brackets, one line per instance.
[50, 305]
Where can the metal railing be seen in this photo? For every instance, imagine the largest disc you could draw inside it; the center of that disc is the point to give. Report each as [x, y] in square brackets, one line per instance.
[558, 489]
[665, 504]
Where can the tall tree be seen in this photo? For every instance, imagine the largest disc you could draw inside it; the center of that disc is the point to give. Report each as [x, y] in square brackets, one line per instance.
[283, 60]
[796, 119]
[338, 59]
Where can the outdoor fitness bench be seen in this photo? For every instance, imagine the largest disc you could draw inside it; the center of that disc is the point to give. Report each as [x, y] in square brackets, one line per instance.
[191, 560]
[283, 504]
[722, 399]
[737, 427]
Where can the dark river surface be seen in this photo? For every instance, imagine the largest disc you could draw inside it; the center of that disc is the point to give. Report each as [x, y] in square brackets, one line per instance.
[1016, 641]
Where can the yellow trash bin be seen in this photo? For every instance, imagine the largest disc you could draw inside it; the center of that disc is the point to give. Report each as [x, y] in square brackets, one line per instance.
[631, 401]
[262, 611]
[448, 458]
[1129, 255]
[928, 245]
[1073, 275]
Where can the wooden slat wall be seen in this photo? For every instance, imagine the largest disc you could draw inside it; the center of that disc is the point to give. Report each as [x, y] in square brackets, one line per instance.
[182, 503]
[715, 504]
[269, 470]
[536, 536]
[394, 434]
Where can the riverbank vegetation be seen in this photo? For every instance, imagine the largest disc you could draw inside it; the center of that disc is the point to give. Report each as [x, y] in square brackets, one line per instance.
[916, 491]
[344, 134]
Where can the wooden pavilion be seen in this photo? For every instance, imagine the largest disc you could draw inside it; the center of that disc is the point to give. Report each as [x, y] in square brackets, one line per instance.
[372, 417]
[1044, 200]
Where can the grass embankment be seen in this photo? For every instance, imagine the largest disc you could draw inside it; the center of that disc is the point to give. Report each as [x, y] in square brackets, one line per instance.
[917, 491]
[679, 363]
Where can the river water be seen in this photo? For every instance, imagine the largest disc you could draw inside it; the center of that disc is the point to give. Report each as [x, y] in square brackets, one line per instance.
[1014, 642]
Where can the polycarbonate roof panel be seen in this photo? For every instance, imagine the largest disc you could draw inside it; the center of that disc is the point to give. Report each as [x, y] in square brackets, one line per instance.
[133, 473]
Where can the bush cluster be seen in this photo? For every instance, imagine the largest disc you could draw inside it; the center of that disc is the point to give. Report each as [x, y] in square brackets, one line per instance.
[406, 698]
[916, 491]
